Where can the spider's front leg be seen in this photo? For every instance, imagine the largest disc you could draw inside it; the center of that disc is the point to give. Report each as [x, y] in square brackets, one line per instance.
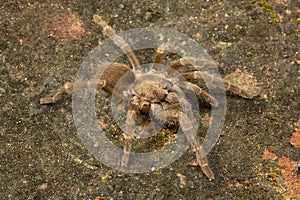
[188, 126]
[172, 112]
[159, 57]
[120, 42]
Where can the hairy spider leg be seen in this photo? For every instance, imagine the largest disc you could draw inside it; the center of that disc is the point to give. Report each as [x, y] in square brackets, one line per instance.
[159, 58]
[69, 87]
[130, 121]
[200, 63]
[189, 128]
[200, 93]
[187, 124]
[110, 75]
[120, 42]
[221, 83]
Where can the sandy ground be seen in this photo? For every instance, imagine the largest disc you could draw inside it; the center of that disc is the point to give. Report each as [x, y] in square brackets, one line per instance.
[42, 45]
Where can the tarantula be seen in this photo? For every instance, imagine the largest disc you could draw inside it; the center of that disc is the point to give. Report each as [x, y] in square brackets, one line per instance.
[152, 93]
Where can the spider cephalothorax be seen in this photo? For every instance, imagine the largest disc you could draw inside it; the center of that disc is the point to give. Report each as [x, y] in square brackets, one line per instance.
[157, 92]
[148, 91]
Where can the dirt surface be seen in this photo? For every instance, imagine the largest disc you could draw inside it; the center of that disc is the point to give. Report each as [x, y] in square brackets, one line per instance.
[42, 45]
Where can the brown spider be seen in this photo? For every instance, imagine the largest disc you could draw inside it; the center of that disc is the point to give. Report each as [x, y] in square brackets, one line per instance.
[152, 93]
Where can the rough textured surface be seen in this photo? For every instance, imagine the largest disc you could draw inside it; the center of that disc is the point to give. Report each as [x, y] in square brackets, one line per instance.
[42, 46]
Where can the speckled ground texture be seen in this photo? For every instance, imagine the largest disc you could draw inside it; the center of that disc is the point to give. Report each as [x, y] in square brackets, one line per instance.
[42, 45]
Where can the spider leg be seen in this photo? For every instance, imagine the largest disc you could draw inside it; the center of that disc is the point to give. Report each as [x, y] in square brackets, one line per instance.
[173, 113]
[110, 75]
[201, 94]
[69, 87]
[199, 62]
[202, 160]
[159, 57]
[110, 32]
[189, 128]
[196, 75]
[130, 121]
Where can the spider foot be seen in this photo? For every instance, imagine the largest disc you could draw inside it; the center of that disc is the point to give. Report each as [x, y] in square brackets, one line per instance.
[203, 163]
[208, 172]
[46, 100]
[52, 98]
[57, 95]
